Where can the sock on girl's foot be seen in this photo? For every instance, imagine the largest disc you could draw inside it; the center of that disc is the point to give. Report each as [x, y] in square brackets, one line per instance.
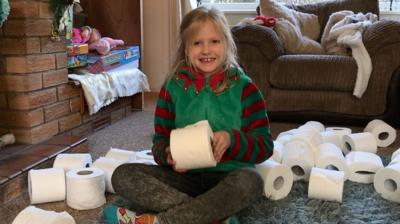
[118, 215]
[146, 219]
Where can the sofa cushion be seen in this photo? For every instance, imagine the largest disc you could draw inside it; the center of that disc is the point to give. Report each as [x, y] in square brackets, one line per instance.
[314, 72]
[307, 23]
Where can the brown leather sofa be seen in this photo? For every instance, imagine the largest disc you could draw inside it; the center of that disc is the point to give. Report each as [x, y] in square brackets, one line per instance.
[299, 88]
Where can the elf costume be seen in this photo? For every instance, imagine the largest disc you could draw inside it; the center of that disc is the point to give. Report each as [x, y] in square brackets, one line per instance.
[188, 97]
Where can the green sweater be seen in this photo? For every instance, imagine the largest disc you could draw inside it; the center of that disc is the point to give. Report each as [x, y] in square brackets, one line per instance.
[188, 97]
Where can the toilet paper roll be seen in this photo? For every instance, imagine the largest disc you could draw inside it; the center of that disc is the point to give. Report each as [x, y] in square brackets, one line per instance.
[46, 185]
[277, 153]
[144, 155]
[395, 153]
[363, 141]
[108, 165]
[125, 156]
[331, 157]
[332, 137]
[85, 188]
[69, 161]
[285, 136]
[278, 179]
[298, 156]
[314, 124]
[326, 184]
[395, 160]
[312, 137]
[363, 166]
[33, 215]
[340, 131]
[387, 182]
[384, 134]
[191, 146]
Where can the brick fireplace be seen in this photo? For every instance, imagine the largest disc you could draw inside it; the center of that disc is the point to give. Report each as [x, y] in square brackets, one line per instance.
[37, 101]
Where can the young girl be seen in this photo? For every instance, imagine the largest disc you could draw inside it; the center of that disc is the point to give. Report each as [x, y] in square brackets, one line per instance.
[206, 84]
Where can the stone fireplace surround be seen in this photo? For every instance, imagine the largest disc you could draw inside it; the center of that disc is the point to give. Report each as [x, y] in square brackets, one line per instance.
[38, 104]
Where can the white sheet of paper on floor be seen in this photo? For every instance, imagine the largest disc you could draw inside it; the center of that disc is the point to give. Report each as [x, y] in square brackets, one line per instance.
[34, 215]
[46, 185]
[85, 188]
[384, 134]
[363, 166]
[278, 179]
[340, 131]
[277, 153]
[191, 146]
[144, 155]
[69, 161]
[326, 184]
[108, 165]
[298, 156]
[330, 156]
[363, 141]
[387, 182]
[123, 155]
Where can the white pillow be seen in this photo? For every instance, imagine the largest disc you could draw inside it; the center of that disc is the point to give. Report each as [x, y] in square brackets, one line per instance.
[307, 23]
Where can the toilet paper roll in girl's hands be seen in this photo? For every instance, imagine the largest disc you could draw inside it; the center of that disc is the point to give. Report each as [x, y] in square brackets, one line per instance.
[171, 161]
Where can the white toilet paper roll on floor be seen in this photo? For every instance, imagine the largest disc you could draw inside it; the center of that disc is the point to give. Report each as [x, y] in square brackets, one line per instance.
[363, 166]
[144, 155]
[108, 165]
[311, 136]
[298, 156]
[363, 141]
[277, 153]
[85, 188]
[123, 155]
[314, 124]
[69, 161]
[395, 153]
[330, 156]
[278, 179]
[387, 182]
[332, 137]
[191, 146]
[46, 185]
[340, 131]
[34, 215]
[384, 134]
[326, 184]
[285, 136]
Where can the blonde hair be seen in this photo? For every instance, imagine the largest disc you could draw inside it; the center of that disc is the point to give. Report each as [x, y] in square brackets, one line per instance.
[190, 23]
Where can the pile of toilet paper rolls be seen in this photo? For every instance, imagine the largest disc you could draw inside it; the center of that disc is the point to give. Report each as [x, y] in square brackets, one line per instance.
[34, 215]
[325, 156]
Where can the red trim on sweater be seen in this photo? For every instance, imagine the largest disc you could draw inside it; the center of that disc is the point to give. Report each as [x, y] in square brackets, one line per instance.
[164, 94]
[248, 90]
[256, 106]
[164, 113]
[162, 131]
[255, 124]
[261, 156]
[250, 148]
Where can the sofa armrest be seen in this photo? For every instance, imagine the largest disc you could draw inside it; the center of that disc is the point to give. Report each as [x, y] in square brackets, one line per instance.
[381, 34]
[264, 38]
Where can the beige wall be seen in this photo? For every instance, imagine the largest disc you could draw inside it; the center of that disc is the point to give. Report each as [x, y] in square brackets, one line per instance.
[155, 63]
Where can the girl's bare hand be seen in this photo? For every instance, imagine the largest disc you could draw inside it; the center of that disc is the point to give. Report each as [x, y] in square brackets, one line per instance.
[220, 144]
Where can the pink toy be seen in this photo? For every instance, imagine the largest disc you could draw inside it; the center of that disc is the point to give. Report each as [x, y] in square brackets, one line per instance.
[102, 45]
[81, 35]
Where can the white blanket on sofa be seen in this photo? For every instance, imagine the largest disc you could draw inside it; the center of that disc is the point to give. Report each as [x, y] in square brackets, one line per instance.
[344, 29]
[102, 89]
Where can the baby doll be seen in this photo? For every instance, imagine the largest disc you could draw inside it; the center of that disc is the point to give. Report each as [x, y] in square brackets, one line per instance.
[102, 45]
[81, 35]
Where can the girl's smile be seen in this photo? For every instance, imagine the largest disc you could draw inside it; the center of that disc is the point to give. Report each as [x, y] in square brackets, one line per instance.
[206, 50]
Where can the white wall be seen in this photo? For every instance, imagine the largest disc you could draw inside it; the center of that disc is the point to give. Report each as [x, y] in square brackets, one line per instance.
[155, 62]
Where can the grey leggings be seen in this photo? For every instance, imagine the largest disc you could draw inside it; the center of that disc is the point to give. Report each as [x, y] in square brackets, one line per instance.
[187, 197]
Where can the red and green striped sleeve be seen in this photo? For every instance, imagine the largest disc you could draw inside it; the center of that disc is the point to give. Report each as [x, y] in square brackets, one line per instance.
[163, 125]
[253, 142]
